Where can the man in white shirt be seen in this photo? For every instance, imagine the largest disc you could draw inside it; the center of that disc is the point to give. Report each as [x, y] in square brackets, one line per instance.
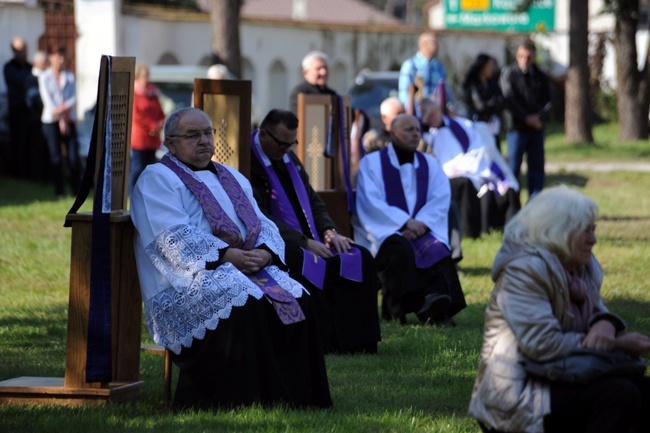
[402, 218]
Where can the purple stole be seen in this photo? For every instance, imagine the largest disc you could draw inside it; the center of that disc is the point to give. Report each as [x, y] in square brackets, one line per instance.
[459, 133]
[338, 109]
[428, 249]
[286, 306]
[313, 267]
[463, 139]
[440, 95]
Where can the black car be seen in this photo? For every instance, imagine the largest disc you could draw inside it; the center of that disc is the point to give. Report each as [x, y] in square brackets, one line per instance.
[370, 89]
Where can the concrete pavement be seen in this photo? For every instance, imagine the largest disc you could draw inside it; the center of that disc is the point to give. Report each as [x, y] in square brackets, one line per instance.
[554, 166]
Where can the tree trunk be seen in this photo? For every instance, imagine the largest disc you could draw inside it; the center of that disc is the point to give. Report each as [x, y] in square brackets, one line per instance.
[224, 17]
[578, 102]
[632, 116]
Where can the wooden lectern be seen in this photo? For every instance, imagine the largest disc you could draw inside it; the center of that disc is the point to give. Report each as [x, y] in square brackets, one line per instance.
[326, 175]
[228, 104]
[126, 302]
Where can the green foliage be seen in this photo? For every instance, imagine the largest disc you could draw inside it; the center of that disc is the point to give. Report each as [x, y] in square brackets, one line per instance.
[420, 381]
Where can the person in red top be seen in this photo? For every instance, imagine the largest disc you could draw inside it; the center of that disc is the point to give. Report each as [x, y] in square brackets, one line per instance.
[148, 121]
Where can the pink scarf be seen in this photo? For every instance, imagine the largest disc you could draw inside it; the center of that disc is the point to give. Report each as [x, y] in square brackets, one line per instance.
[581, 305]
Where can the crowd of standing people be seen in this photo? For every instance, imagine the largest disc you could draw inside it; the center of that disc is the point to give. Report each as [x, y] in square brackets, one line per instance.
[42, 119]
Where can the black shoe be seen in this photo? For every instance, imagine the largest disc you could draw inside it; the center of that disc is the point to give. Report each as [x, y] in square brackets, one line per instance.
[434, 307]
[444, 322]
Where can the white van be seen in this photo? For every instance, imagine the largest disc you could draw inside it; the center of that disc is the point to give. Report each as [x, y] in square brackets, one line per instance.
[176, 84]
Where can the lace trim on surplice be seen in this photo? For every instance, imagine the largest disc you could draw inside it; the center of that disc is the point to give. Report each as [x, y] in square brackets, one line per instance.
[197, 299]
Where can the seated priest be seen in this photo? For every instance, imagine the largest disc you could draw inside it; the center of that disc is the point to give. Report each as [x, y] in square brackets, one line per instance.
[340, 276]
[402, 206]
[214, 282]
[482, 184]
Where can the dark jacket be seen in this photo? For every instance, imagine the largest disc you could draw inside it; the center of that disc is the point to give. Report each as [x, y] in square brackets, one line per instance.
[524, 94]
[483, 100]
[261, 192]
[309, 89]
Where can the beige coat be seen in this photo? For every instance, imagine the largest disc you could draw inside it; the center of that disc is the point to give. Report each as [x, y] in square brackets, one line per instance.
[528, 316]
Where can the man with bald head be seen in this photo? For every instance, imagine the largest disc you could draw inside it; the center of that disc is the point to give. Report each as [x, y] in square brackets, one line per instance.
[17, 71]
[377, 139]
[402, 208]
[426, 67]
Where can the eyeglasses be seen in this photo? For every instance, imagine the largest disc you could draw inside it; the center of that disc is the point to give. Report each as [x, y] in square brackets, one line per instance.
[195, 135]
[283, 144]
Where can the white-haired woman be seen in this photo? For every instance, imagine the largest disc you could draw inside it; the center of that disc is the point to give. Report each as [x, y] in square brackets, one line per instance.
[546, 302]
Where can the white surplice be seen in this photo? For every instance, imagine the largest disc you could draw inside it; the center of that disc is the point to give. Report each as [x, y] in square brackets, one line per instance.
[174, 241]
[376, 220]
[477, 162]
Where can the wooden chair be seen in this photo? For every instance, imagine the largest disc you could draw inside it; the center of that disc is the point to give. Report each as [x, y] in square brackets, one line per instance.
[125, 299]
[156, 349]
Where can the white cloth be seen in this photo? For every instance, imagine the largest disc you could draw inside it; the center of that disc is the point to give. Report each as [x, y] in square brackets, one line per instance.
[476, 163]
[376, 220]
[174, 241]
[54, 93]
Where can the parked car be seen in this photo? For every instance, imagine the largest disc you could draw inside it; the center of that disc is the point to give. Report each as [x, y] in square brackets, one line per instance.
[176, 84]
[370, 89]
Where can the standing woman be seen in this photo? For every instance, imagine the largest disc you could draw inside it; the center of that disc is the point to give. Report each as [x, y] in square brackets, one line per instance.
[59, 96]
[483, 95]
[546, 303]
[148, 121]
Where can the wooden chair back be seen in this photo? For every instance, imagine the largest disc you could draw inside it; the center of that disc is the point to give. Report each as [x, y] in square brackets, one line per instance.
[318, 122]
[228, 103]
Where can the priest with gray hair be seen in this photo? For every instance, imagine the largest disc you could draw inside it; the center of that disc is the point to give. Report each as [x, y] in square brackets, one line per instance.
[214, 283]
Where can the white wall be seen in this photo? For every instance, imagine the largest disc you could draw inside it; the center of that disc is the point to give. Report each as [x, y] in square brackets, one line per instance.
[98, 25]
[265, 46]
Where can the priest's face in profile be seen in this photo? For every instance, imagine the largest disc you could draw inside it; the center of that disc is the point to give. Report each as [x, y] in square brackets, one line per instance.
[405, 132]
[193, 142]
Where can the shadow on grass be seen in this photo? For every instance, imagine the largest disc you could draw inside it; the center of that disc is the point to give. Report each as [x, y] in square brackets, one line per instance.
[623, 218]
[475, 271]
[33, 342]
[566, 178]
[634, 312]
[16, 192]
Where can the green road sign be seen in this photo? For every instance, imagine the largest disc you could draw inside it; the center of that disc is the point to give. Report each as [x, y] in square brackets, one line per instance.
[499, 15]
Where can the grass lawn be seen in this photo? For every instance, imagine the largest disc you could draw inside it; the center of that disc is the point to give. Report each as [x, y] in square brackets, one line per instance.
[421, 379]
